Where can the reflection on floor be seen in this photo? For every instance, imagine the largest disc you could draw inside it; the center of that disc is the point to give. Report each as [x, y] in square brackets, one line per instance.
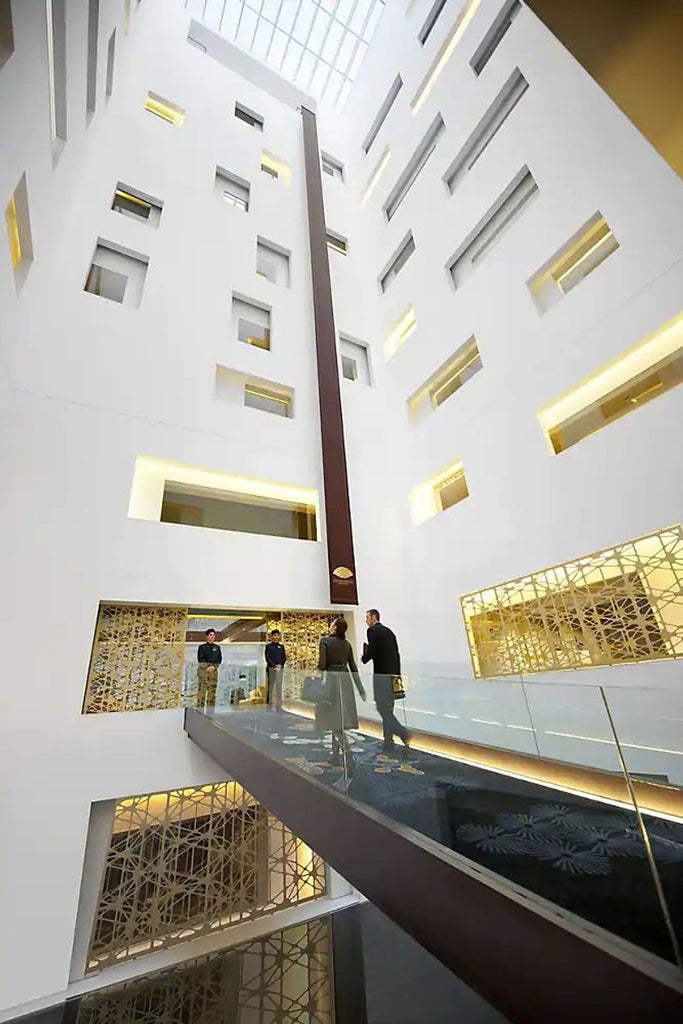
[585, 856]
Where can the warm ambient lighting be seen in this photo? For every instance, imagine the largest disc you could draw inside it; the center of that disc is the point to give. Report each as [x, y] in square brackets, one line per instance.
[400, 333]
[622, 605]
[133, 199]
[445, 54]
[275, 167]
[163, 109]
[576, 780]
[434, 495]
[634, 374]
[178, 805]
[600, 241]
[13, 232]
[151, 476]
[375, 176]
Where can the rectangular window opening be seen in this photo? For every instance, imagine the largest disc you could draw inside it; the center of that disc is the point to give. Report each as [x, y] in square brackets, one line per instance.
[266, 400]
[333, 168]
[252, 321]
[439, 493]
[239, 512]
[272, 262]
[383, 112]
[117, 274]
[494, 36]
[337, 243]
[355, 361]
[126, 17]
[431, 21]
[93, 38]
[646, 371]
[415, 165]
[131, 203]
[275, 168]
[245, 390]
[403, 254]
[18, 226]
[111, 51]
[55, 11]
[493, 226]
[489, 126]
[579, 256]
[6, 32]
[448, 379]
[232, 189]
[249, 117]
[400, 333]
[164, 109]
[445, 53]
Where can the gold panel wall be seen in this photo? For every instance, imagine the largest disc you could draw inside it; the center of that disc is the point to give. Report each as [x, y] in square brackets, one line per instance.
[189, 862]
[285, 977]
[139, 653]
[137, 659]
[301, 635]
[620, 605]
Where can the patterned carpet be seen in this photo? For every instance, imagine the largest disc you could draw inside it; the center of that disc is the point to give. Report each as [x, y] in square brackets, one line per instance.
[583, 855]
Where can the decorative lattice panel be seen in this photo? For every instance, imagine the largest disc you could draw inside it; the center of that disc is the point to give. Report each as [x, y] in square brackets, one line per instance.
[285, 977]
[188, 862]
[301, 635]
[137, 659]
[624, 604]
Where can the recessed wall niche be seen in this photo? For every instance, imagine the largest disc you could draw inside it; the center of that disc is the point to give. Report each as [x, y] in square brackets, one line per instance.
[117, 274]
[245, 390]
[251, 322]
[131, 202]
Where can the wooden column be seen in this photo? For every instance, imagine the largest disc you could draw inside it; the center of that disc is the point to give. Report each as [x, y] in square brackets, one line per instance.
[340, 557]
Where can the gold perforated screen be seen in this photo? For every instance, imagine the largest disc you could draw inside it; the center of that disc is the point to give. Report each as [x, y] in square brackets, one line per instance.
[137, 659]
[192, 861]
[623, 604]
[285, 976]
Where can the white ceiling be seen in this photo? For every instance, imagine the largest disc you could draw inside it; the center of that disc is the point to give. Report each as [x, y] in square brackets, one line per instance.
[317, 44]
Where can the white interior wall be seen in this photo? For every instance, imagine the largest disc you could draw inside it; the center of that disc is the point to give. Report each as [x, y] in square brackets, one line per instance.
[527, 509]
[94, 385]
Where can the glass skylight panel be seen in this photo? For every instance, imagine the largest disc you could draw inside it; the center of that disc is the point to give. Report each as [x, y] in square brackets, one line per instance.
[318, 44]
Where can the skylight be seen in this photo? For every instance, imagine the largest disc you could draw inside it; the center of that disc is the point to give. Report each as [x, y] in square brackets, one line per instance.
[317, 44]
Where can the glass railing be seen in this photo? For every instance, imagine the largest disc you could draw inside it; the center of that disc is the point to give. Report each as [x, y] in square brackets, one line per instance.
[571, 792]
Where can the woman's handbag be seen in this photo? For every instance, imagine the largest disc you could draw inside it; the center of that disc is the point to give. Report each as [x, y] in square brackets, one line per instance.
[316, 690]
[398, 690]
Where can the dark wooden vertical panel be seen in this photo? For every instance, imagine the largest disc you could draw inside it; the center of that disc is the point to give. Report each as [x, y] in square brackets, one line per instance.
[349, 968]
[340, 557]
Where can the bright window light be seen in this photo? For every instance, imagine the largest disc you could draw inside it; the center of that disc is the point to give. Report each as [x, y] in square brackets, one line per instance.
[319, 47]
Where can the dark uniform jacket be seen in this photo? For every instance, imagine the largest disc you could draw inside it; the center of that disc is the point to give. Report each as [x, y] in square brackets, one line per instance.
[382, 650]
[209, 654]
[275, 655]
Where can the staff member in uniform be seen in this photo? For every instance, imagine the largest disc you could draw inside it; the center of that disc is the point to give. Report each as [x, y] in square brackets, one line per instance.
[276, 657]
[209, 656]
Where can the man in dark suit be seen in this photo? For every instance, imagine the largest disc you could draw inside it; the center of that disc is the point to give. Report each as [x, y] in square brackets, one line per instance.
[382, 650]
[276, 658]
[209, 656]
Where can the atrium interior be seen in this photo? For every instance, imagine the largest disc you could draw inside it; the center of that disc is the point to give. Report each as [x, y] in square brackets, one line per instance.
[340, 419]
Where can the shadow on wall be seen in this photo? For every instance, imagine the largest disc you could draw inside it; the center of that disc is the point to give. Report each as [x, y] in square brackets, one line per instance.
[407, 985]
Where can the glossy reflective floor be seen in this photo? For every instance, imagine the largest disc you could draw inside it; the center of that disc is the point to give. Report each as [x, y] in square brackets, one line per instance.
[585, 856]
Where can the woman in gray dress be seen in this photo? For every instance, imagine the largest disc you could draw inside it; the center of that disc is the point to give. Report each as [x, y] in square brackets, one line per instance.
[336, 658]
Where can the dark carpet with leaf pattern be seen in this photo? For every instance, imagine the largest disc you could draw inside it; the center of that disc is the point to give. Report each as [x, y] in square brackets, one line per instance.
[586, 856]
